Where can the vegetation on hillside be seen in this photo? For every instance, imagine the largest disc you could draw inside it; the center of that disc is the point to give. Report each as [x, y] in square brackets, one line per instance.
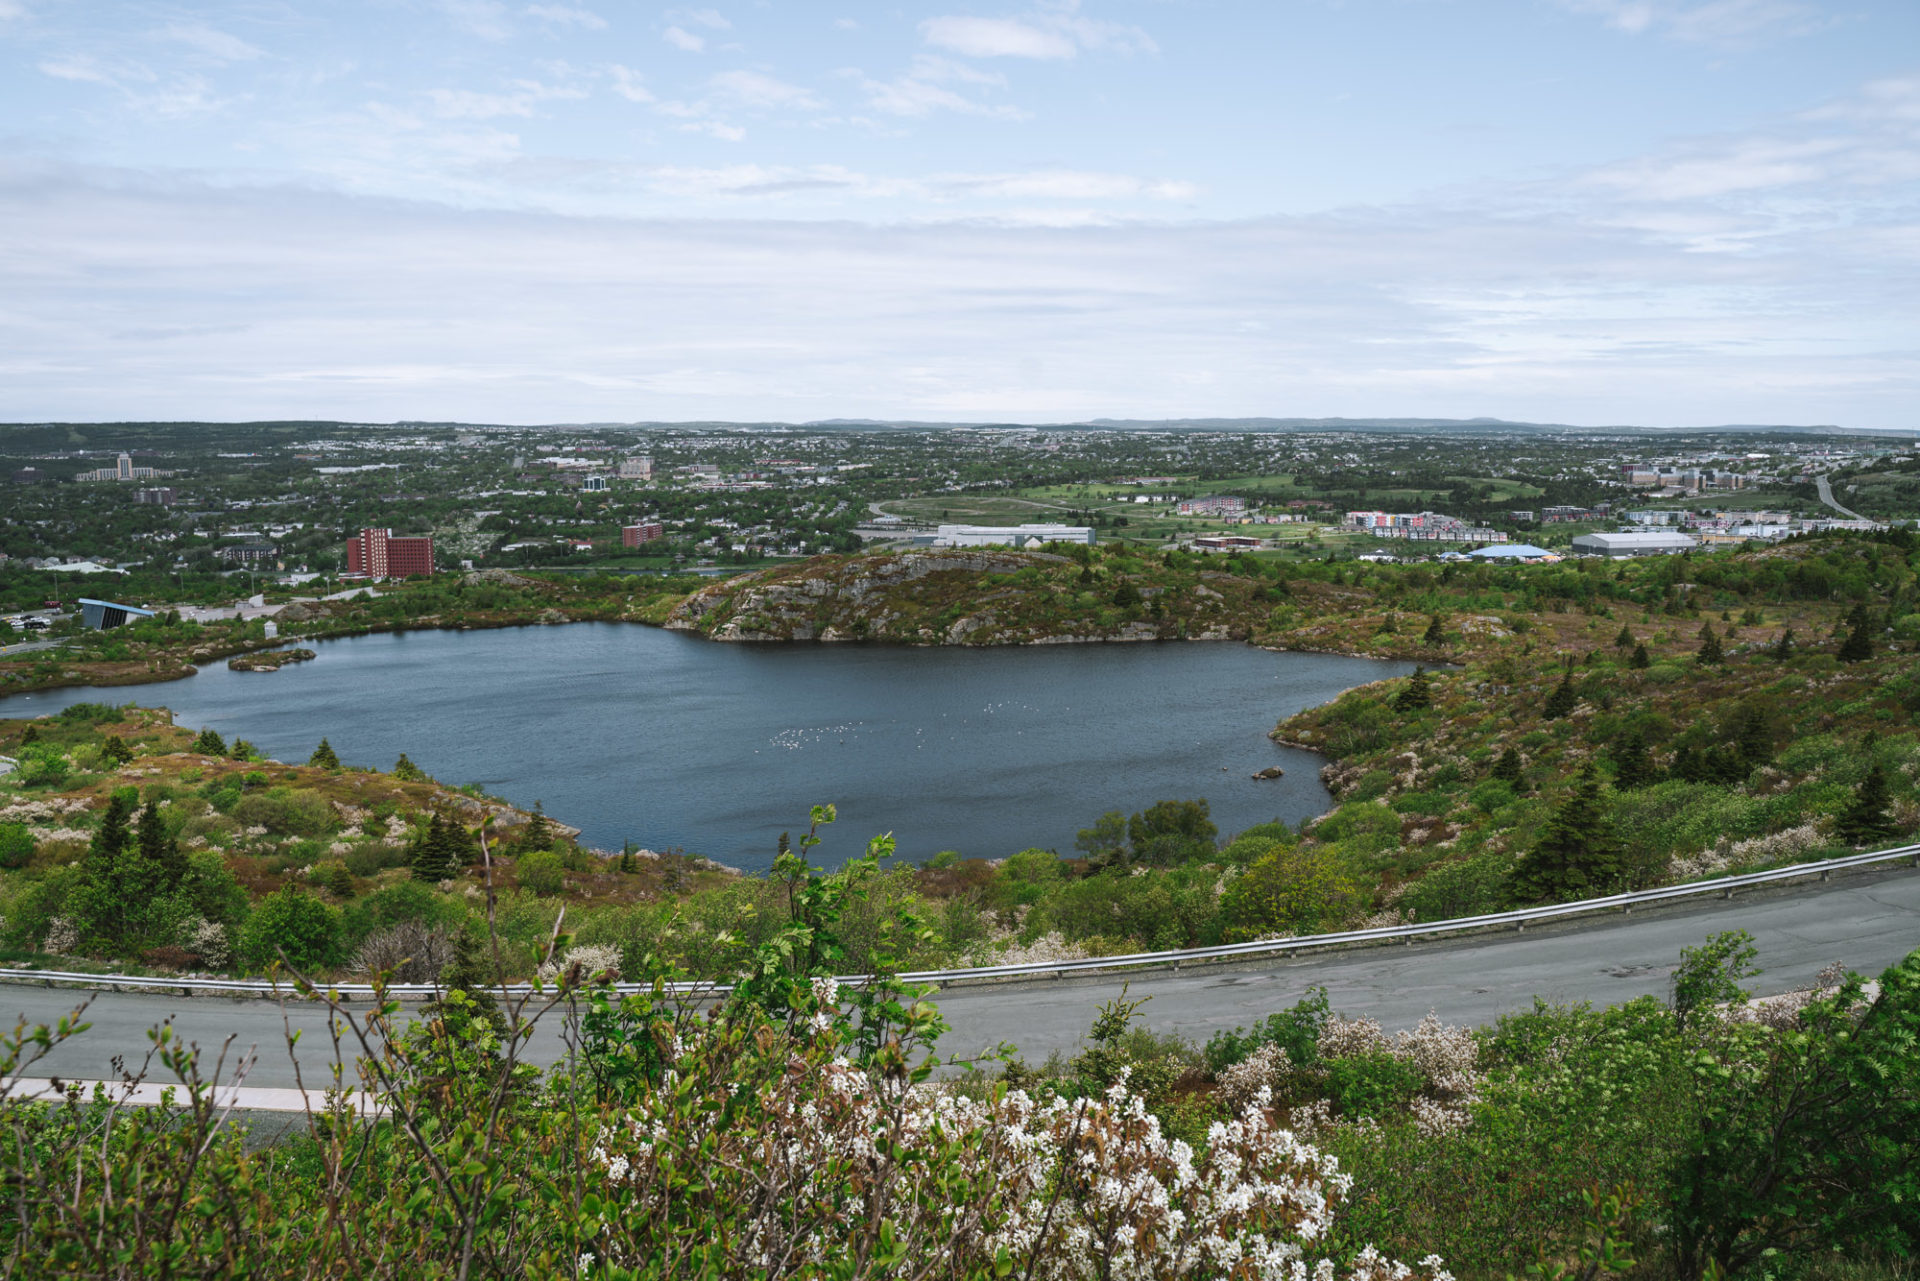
[796, 1128]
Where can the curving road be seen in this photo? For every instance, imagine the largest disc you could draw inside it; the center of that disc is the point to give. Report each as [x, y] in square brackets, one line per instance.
[1868, 921]
[1826, 496]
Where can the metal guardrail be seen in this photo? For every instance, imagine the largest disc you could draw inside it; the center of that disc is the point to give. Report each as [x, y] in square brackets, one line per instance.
[1520, 919]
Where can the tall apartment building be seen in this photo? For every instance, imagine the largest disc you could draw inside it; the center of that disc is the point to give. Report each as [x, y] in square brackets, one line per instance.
[638, 467]
[645, 532]
[164, 496]
[123, 469]
[379, 553]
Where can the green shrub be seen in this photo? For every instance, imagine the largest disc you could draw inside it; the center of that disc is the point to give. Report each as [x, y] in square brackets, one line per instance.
[16, 845]
[292, 923]
[287, 811]
[540, 873]
[1372, 1084]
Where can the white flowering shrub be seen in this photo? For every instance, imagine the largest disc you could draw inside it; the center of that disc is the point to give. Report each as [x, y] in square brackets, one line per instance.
[209, 939]
[1072, 1189]
[594, 960]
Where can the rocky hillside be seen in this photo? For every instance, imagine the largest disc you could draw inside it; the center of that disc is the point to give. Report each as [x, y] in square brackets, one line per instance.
[977, 597]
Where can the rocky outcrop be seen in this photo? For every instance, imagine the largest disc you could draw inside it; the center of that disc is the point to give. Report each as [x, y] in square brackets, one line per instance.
[270, 661]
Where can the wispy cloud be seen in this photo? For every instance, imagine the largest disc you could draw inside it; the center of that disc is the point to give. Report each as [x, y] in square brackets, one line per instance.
[219, 46]
[566, 16]
[1053, 31]
[937, 84]
[486, 19]
[681, 38]
[1716, 22]
[753, 89]
[519, 100]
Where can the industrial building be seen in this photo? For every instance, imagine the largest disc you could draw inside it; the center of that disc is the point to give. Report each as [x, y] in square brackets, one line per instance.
[103, 614]
[378, 553]
[1011, 535]
[1636, 543]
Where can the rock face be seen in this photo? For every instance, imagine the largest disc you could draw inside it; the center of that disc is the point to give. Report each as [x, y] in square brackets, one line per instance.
[959, 597]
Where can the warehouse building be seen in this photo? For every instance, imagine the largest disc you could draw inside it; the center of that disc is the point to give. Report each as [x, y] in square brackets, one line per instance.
[1636, 543]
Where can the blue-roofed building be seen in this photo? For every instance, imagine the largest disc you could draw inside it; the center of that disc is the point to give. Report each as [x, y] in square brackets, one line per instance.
[102, 614]
[1513, 553]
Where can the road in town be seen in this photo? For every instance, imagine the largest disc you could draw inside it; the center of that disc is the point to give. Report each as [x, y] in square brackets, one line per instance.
[1826, 496]
[1867, 921]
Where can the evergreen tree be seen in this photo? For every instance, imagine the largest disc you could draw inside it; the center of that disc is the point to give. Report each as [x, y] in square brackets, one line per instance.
[1710, 653]
[159, 850]
[1752, 738]
[1640, 662]
[1858, 647]
[323, 756]
[1625, 638]
[1865, 819]
[210, 743]
[1127, 596]
[1417, 696]
[628, 863]
[407, 772]
[1783, 648]
[113, 837]
[538, 834]
[1562, 701]
[1436, 637]
[1631, 767]
[242, 750]
[1578, 853]
[432, 856]
[115, 749]
[1507, 769]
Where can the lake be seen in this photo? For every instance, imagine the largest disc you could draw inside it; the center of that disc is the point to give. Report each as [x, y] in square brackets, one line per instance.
[634, 733]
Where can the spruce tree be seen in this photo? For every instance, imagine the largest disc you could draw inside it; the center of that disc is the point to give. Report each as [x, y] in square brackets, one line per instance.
[324, 757]
[1640, 662]
[159, 851]
[432, 853]
[1865, 819]
[538, 834]
[1507, 769]
[1710, 653]
[1436, 637]
[1625, 638]
[1578, 853]
[210, 743]
[1752, 738]
[1631, 766]
[1562, 701]
[113, 837]
[1858, 647]
[407, 772]
[1417, 696]
[115, 749]
[1783, 648]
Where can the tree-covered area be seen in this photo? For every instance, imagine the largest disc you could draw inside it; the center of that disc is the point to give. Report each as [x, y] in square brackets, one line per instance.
[795, 1127]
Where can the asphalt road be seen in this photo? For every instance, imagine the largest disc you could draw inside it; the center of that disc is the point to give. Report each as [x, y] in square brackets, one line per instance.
[1867, 921]
[1826, 496]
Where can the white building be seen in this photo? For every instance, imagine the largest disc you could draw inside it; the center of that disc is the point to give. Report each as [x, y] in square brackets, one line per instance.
[1011, 535]
[1636, 543]
[638, 467]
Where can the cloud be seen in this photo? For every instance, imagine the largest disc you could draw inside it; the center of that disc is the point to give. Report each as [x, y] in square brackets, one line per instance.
[1054, 31]
[486, 19]
[216, 45]
[1061, 184]
[164, 298]
[11, 9]
[753, 89]
[708, 18]
[560, 15]
[926, 88]
[525, 95]
[144, 91]
[996, 38]
[627, 83]
[1717, 22]
[683, 39]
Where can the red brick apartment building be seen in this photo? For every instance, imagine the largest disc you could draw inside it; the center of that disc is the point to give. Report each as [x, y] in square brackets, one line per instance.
[377, 553]
[635, 535]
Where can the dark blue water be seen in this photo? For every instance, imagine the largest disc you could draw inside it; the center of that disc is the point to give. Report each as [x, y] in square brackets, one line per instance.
[629, 732]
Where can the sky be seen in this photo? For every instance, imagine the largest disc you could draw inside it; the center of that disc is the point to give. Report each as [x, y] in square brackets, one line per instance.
[1658, 212]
